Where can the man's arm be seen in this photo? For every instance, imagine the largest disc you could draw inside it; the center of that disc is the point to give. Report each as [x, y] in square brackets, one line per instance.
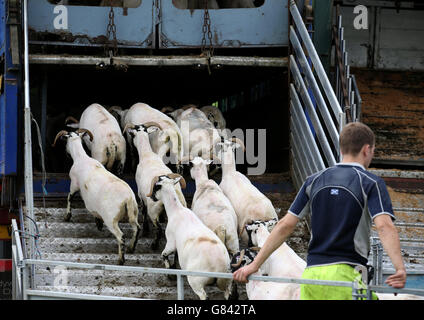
[279, 234]
[389, 237]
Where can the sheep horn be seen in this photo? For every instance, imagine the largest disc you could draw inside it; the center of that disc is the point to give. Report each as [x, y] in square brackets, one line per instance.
[85, 131]
[185, 159]
[70, 118]
[152, 185]
[166, 109]
[128, 126]
[176, 175]
[115, 108]
[236, 140]
[236, 265]
[189, 106]
[60, 133]
[152, 123]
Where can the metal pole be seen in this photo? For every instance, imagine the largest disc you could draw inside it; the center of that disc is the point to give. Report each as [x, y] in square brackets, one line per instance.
[180, 287]
[44, 85]
[29, 195]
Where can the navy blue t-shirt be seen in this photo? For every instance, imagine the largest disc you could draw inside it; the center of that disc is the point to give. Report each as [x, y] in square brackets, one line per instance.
[342, 201]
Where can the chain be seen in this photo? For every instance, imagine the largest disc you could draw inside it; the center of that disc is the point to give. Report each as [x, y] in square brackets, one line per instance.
[207, 30]
[111, 30]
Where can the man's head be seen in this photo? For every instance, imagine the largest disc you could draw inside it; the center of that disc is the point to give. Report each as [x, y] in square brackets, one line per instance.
[357, 142]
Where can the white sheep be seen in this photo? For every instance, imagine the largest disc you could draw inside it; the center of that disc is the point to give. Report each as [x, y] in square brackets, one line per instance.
[198, 248]
[150, 166]
[108, 145]
[248, 202]
[199, 134]
[283, 262]
[213, 207]
[215, 116]
[108, 198]
[168, 139]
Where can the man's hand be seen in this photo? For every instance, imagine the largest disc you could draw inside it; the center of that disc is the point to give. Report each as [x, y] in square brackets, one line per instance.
[241, 274]
[397, 280]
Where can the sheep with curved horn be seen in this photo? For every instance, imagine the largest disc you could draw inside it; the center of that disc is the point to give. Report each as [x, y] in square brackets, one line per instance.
[108, 144]
[248, 202]
[108, 198]
[150, 165]
[167, 143]
[198, 248]
[213, 207]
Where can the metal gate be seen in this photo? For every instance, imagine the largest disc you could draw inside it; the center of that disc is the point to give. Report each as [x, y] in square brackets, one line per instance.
[316, 115]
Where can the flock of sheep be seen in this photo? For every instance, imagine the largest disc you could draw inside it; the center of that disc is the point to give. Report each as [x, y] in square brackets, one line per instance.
[223, 217]
[203, 238]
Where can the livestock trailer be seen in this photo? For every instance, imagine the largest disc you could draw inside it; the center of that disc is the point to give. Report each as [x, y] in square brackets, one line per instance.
[279, 72]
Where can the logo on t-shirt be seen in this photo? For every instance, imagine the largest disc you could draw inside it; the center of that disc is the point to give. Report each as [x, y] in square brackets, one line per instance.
[334, 192]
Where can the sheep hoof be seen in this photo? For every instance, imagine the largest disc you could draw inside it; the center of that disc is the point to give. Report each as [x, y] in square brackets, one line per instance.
[234, 293]
[155, 244]
[172, 277]
[99, 224]
[146, 229]
[68, 217]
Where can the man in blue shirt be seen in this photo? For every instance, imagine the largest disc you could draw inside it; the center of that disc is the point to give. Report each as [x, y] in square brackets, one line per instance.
[342, 202]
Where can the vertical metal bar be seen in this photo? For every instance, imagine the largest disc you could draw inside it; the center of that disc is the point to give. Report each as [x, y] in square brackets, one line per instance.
[322, 75]
[311, 111]
[180, 287]
[357, 97]
[25, 282]
[352, 103]
[320, 102]
[44, 85]
[14, 257]
[374, 259]
[29, 195]
[380, 264]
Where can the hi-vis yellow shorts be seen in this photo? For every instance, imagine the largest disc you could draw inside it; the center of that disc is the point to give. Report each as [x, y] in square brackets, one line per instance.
[335, 272]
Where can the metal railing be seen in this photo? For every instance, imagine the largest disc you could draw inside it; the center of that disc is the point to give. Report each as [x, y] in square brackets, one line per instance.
[316, 115]
[377, 253]
[347, 91]
[23, 290]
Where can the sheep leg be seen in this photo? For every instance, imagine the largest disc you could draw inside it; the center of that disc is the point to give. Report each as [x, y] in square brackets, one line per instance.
[99, 223]
[157, 236]
[234, 292]
[71, 196]
[145, 222]
[116, 231]
[132, 217]
[198, 284]
[154, 212]
[169, 249]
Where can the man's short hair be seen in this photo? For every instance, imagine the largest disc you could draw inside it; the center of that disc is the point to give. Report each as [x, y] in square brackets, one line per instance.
[354, 136]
